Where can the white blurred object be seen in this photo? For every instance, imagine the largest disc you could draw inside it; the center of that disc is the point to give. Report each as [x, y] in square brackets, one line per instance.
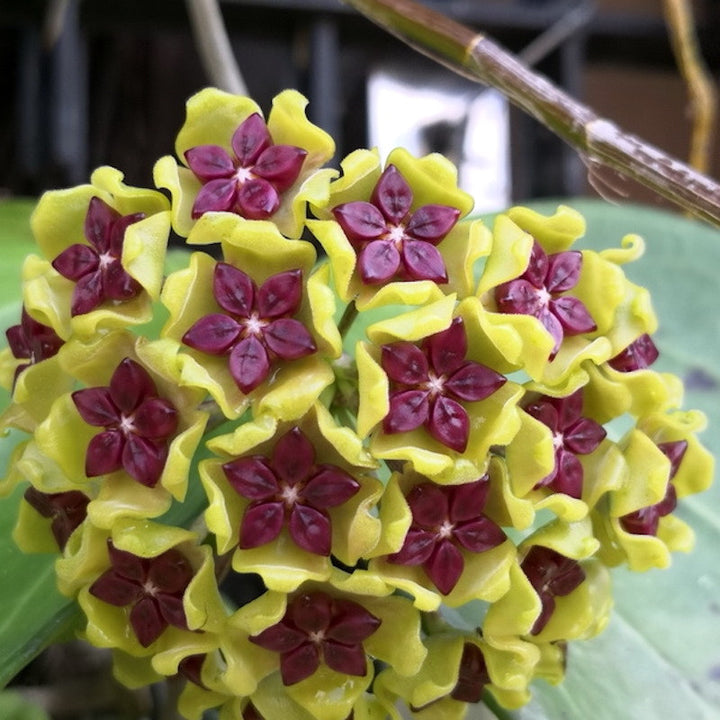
[466, 123]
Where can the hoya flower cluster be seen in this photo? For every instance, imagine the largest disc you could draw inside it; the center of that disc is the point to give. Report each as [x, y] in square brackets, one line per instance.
[424, 438]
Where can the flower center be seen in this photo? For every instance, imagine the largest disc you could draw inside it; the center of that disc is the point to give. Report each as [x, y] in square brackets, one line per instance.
[149, 588]
[126, 425]
[254, 325]
[396, 234]
[435, 384]
[290, 495]
[105, 259]
[445, 530]
[317, 636]
[243, 174]
[544, 297]
[558, 441]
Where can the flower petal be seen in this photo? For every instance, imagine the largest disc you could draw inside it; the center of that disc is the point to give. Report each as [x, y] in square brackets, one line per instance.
[280, 294]
[115, 589]
[378, 262]
[417, 548]
[87, 294]
[445, 566]
[289, 339]
[537, 268]
[104, 453]
[638, 355]
[447, 349]
[257, 199]
[584, 436]
[251, 477]
[249, 364]
[280, 165]
[563, 271]
[432, 222]
[143, 459]
[347, 659]
[96, 407]
[310, 529]
[428, 504]
[156, 419]
[299, 663]
[261, 523]
[127, 564]
[479, 535]
[518, 297]
[214, 334]
[392, 195]
[474, 382]
[293, 457]
[404, 363]
[209, 162]
[329, 487]
[215, 196]
[311, 612]
[280, 638]
[449, 423]
[360, 221]
[76, 261]
[233, 289]
[569, 476]
[147, 622]
[129, 385]
[351, 623]
[573, 315]
[98, 224]
[170, 572]
[171, 609]
[423, 261]
[468, 500]
[553, 326]
[250, 139]
[409, 409]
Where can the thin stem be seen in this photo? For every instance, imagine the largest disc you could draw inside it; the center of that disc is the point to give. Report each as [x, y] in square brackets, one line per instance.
[599, 140]
[347, 319]
[703, 98]
[214, 47]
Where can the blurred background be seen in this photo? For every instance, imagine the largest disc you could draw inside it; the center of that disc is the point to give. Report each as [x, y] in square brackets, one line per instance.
[91, 83]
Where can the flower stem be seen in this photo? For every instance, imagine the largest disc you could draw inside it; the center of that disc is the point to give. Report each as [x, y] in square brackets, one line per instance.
[599, 140]
[347, 319]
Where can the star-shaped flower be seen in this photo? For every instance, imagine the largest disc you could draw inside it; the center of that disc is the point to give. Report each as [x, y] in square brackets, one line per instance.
[551, 575]
[249, 182]
[290, 488]
[152, 588]
[538, 292]
[318, 627]
[138, 424]
[573, 435]
[429, 383]
[645, 521]
[67, 510]
[446, 518]
[392, 241]
[257, 325]
[32, 341]
[97, 268]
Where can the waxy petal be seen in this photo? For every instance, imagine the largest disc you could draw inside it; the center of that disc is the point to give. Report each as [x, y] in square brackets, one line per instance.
[674, 452]
[573, 315]
[404, 363]
[474, 382]
[156, 419]
[252, 478]
[117, 284]
[392, 195]
[280, 165]
[257, 199]
[409, 409]
[378, 262]
[569, 409]
[569, 474]
[554, 327]
[144, 460]
[642, 522]
[130, 384]
[546, 611]
[293, 457]
[479, 535]
[351, 623]
[127, 564]
[249, 364]
[96, 407]
[214, 334]
[209, 162]
[261, 524]
[170, 572]
[445, 566]
[668, 503]
[472, 675]
[67, 510]
[233, 290]
[417, 548]
[87, 294]
[468, 500]
[289, 339]
[449, 423]
[117, 233]
[638, 355]
[172, 609]
[310, 529]
[432, 222]
[518, 297]
[215, 196]
[347, 659]
[537, 268]
[147, 621]
[545, 412]
[584, 436]
[115, 589]
[447, 349]
[280, 637]
[360, 221]
[423, 261]
[299, 663]
[428, 504]
[104, 453]
[250, 139]
[311, 612]
[98, 224]
[329, 487]
[280, 294]
[76, 261]
[563, 271]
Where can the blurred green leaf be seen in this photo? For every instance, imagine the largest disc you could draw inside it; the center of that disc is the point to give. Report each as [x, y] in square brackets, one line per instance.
[14, 706]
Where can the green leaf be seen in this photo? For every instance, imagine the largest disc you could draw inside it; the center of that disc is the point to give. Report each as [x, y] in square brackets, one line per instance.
[659, 657]
[14, 706]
